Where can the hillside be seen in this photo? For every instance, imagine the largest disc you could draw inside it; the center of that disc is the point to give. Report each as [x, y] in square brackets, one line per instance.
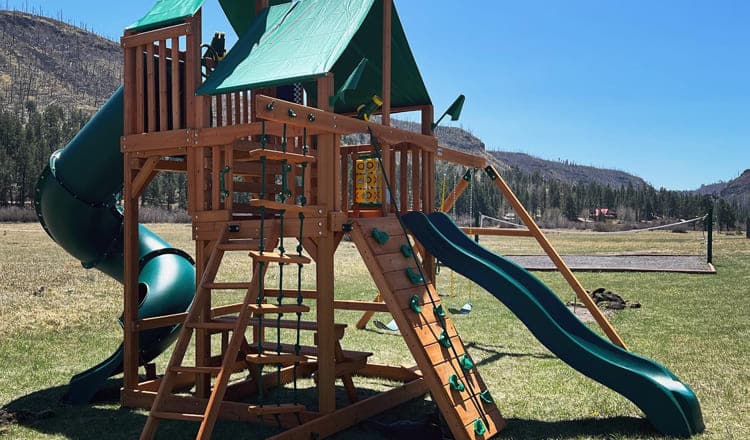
[51, 62]
[567, 172]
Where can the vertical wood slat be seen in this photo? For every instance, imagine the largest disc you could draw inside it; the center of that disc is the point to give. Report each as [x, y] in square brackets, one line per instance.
[246, 107]
[163, 86]
[219, 110]
[237, 109]
[416, 171]
[150, 88]
[175, 91]
[215, 177]
[403, 183]
[391, 178]
[139, 91]
[229, 178]
[345, 180]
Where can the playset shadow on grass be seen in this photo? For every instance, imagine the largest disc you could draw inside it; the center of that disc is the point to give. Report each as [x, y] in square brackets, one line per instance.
[257, 131]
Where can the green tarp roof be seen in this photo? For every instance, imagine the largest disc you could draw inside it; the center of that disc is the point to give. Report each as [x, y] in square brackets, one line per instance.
[166, 12]
[298, 42]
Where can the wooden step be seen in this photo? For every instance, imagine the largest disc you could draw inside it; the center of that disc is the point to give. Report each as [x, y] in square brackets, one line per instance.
[214, 324]
[284, 408]
[196, 370]
[267, 309]
[177, 416]
[308, 210]
[248, 244]
[309, 350]
[275, 257]
[292, 324]
[255, 155]
[273, 358]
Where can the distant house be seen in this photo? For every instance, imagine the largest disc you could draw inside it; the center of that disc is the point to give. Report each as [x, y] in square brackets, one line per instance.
[603, 213]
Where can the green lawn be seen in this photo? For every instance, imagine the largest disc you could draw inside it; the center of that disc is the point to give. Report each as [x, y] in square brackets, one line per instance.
[57, 319]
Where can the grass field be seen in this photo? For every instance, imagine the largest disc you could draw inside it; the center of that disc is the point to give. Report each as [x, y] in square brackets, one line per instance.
[57, 319]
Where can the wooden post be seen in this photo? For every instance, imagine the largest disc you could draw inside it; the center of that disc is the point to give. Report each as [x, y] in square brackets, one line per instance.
[130, 225]
[428, 182]
[386, 109]
[525, 217]
[327, 182]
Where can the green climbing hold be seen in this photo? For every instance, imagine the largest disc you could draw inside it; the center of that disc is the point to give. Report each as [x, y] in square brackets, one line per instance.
[440, 312]
[380, 236]
[414, 277]
[486, 397]
[414, 304]
[456, 383]
[466, 362]
[444, 340]
[406, 250]
[479, 427]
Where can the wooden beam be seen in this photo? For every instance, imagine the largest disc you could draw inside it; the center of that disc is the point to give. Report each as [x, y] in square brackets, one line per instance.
[460, 157]
[351, 415]
[525, 217]
[505, 232]
[130, 279]
[449, 201]
[144, 176]
[144, 38]
[334, 123]
[367, 306]
[327, 181]
[386, 76]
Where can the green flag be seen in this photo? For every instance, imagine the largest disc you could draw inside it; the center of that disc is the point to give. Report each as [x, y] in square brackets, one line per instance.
[454, 110]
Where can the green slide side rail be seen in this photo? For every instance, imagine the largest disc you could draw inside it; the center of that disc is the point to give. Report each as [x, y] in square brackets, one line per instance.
[670, 405]
[76, 203]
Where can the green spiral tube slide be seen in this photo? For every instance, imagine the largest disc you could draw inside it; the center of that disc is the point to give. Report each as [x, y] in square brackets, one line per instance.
[76, 203]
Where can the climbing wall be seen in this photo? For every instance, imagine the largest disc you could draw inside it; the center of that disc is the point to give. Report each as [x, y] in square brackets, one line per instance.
[455, 383]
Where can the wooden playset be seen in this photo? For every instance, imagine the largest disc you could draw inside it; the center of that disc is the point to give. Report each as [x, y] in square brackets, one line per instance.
[268, 176]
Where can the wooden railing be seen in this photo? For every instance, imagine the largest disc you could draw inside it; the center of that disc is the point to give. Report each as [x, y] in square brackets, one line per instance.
[159, 86]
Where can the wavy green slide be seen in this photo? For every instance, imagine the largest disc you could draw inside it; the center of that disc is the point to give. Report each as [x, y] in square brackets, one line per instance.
[76, 203]
[670, 405]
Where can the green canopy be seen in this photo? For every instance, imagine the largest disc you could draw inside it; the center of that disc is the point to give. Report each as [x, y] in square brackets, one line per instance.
[241, 13]
[301, 41]
[165, 13]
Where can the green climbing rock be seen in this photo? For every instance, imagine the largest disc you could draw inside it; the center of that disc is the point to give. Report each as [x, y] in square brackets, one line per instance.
[456, 383]
[414, 277]
[414, 304]
[440, 313]
[380, 236]
[466, 362]
[479, 427]
[444, 340]
[486, 397]
[406, 250]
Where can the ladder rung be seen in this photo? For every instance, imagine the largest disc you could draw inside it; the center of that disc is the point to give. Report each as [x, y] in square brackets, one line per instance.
[248, 244]
[284, 408]
[177, 416]
[272, 358]
[228, 286]
[226, 323]
[196, 370]
[264, 309]
[288, 207]
[278, 258]
[254, 155]
[292, 324]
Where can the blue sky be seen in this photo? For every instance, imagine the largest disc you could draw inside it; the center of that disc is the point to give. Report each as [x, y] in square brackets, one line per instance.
[657, 88]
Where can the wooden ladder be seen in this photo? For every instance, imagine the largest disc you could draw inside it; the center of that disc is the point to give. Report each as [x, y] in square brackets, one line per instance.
[455, 383]
[248, 311]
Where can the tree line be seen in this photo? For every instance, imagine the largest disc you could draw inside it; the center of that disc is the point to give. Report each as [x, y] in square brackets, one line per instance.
[27, 139]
